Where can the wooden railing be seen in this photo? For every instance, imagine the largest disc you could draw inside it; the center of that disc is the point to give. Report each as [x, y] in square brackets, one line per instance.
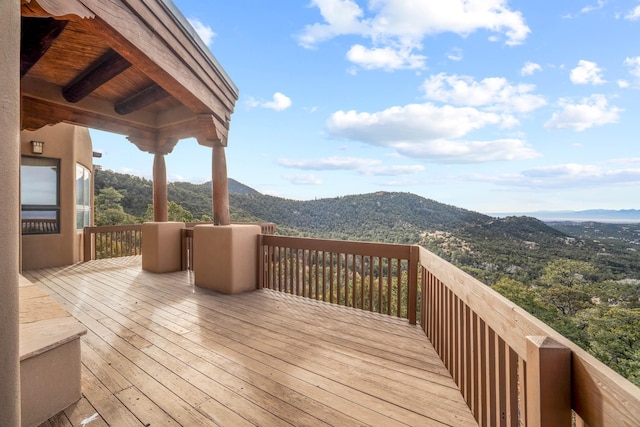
[511, 368]
[112, 241]
[370, 276]
[39, 226]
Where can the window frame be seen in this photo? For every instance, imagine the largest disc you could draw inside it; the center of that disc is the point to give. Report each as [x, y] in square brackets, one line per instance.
[41, 207]
[86, 208]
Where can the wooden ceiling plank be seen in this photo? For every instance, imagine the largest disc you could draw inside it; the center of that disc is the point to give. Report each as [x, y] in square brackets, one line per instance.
[144, 42]
[37, 36]
[148, 96]
[189, 47]
[100, 72]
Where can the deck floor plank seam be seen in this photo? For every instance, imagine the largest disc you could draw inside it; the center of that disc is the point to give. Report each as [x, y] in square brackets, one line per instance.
[161, 352]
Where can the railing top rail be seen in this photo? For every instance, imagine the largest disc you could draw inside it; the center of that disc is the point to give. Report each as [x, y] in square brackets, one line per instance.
[508, 320]
[600, 395]
[384, 250]
[111, 228]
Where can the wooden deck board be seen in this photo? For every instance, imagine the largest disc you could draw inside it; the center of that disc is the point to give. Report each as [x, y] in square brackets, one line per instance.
[161, 352]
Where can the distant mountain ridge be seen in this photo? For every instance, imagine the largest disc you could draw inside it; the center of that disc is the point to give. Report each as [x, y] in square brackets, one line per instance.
[597, 215]
[486, 246]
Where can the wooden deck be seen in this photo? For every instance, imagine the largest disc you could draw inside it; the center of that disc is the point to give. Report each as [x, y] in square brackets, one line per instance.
[160, 352]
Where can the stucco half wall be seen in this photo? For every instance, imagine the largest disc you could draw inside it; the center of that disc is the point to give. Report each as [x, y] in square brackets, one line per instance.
[225, 257]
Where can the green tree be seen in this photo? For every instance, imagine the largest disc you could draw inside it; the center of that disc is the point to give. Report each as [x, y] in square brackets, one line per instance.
[614, 338]
[176, 213]
[566, 285]
[108, 210]
[568, 272]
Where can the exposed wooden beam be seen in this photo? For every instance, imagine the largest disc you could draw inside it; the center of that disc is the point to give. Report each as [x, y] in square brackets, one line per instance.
[37, 113]
[37, 36]
[101, 71]
[148, 96]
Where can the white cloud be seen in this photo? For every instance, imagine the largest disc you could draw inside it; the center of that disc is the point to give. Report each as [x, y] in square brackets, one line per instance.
[529, 68]
[591, 8]
[634, 65]
[400, 25]
[448, 151]
[592, 111]
[633, 14]
[623, 84]
[429, 132]
[304, 179]
[361, 165]
[569, 175]
[279, 102]
[395, 170]
[329, 163]
[204, 31]
[496, 93]
[587, 9]
[587, 72]
[386, 58]
[412, 122]
[455, 54]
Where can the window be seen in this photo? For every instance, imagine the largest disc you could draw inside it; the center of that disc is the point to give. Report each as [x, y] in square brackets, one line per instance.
[40, 195]
[83, 197]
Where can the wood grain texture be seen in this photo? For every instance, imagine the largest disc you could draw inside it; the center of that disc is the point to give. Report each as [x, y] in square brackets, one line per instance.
[166, 353]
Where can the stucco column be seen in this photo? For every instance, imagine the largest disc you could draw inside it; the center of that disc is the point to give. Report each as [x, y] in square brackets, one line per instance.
[10, 213]
[160, 207]
[220, 187]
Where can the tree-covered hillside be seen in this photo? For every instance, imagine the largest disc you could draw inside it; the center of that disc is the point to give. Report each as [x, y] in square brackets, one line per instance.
[137, 193]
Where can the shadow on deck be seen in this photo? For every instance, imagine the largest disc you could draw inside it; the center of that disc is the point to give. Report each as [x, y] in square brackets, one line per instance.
[160, 352]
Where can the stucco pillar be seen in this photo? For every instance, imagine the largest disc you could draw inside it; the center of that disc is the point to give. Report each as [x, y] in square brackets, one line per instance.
[10, 213]
[225, 257]
[160, 207]
[220, 187]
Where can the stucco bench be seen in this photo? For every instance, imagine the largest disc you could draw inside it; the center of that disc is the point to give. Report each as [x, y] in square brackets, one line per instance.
[49, 355]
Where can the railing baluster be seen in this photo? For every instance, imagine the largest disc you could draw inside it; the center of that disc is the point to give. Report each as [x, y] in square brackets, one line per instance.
[371, 291]
[324, 275]
[331, 283]
[354, 282]
[512, 388]
[398, 288]
[502, 382]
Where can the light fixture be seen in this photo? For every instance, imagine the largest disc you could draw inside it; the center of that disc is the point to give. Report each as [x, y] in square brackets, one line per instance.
[37, 147]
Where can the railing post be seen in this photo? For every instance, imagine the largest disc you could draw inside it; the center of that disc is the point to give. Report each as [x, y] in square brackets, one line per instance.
[548, 383]
[184, 263]
[261, 261]
[412, 276]
[87, 244]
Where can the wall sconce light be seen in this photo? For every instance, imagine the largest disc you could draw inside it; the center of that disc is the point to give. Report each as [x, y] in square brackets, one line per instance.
[37, 147]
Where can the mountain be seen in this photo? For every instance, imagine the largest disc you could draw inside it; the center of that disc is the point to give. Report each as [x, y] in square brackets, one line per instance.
[626, 216]
[487, 247]
[138, 192]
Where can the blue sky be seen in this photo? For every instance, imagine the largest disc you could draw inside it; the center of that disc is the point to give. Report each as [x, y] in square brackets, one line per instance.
[489, 105]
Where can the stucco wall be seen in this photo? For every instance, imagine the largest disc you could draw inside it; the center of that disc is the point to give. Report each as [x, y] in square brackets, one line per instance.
[9, 234]
[70, 144]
